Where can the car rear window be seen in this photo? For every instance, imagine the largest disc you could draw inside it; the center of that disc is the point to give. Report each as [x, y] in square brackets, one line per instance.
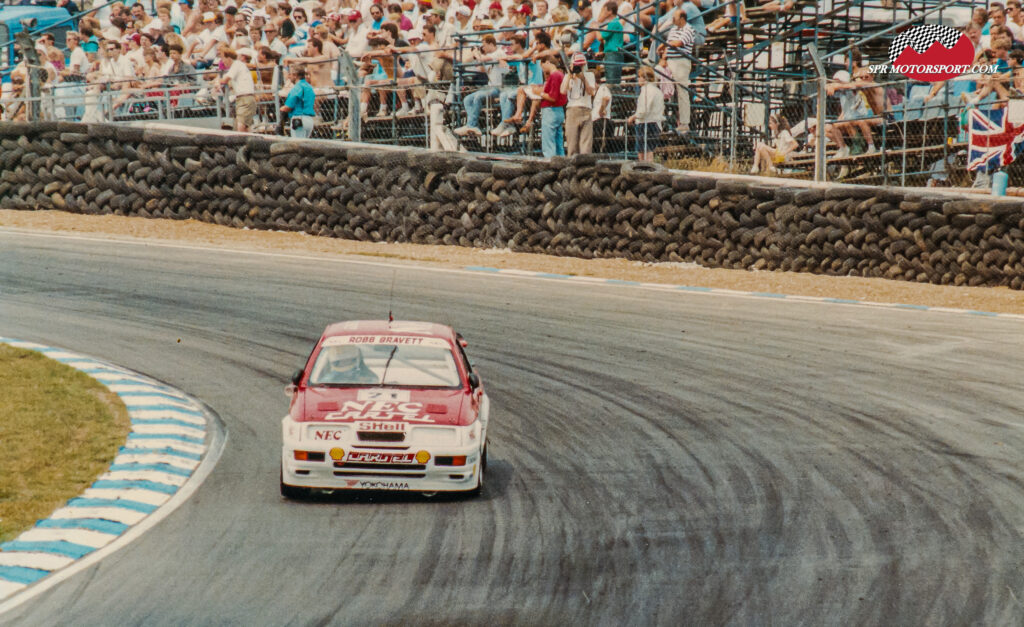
[356, 364]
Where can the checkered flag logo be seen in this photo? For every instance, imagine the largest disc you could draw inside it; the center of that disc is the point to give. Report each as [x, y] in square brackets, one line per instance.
[920, 38]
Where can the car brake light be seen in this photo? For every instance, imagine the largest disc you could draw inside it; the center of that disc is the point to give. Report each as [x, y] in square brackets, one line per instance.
[309, 456]
[458, 460]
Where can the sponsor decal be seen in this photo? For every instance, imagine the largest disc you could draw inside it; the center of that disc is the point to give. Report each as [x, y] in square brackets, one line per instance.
[384, 485]
[380, 410]
[381, 458]
[385, 427]
[387, 340]
[382, 394]
[351, 483]
[329, 434]
[931, 53]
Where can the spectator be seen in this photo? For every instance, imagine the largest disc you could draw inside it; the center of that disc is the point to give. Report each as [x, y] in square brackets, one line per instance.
[768, 156]
[610, 34]
[552, 112]
[1015, 23]
[243, 89]
[855, 114]
[650, 113]
[540, 51]
[300, 104]
[579, 89]
[177, 67]
[996, 18]
[679, 47]
[272, 41]
[491, 54]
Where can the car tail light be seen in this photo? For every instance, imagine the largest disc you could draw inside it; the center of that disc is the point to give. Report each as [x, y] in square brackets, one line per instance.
[309, 456]
[458, 460]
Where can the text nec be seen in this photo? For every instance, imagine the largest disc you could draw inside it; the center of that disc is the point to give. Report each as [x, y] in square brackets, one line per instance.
[379, 410]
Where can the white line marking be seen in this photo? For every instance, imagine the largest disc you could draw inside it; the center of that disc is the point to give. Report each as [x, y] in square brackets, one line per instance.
[31, 559]
[143, 475]
[156, 458]
[116, 514]
[169, 430]
[85, 537]
[142, 496]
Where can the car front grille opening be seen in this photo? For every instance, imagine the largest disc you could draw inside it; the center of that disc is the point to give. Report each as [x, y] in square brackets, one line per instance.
[457, 477]
[342, 473]
[375, 436]
[302, 472]
[380, 466]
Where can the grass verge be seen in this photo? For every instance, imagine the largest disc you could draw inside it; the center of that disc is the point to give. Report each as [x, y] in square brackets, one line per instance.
[59, 430]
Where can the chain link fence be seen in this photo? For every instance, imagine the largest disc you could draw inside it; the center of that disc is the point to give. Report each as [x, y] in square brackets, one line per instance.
[888, 132]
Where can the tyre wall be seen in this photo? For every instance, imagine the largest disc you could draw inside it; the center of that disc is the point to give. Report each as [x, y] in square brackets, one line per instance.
[582, 207]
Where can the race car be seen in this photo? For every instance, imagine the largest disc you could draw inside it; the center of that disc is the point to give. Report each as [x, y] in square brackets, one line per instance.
[385, 405]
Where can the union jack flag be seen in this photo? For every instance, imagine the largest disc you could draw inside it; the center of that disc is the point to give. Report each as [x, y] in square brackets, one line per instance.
[994, 141]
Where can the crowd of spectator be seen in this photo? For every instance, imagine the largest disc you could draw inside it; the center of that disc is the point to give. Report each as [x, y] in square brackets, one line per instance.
[541, 63]
[407, 54]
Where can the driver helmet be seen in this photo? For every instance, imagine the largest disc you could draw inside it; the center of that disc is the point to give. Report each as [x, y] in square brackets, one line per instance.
[344, 357]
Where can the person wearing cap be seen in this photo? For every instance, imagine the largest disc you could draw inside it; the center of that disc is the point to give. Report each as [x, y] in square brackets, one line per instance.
[343, 365]
[489, 54]
[579, 88]
[243, 90]
[445, 32]
[300, 103]
[205, 51]
[463, 19]
[678, 50]
[355, 34]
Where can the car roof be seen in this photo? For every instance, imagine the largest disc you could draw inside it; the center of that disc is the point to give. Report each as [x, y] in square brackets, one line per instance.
[396, 327]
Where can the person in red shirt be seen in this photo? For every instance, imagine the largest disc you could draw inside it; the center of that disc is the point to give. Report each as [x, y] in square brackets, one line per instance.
[552, 112]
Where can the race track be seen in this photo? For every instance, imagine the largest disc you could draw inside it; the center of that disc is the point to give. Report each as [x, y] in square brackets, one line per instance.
[656, 458]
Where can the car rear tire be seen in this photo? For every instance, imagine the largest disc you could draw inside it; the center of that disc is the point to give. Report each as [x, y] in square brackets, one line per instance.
[292, 492]
[478, 490]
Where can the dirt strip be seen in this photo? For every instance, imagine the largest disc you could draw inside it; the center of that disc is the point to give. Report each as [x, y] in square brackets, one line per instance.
[1001, 300]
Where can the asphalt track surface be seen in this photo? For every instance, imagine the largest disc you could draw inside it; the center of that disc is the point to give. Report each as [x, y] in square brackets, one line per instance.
[656, 458]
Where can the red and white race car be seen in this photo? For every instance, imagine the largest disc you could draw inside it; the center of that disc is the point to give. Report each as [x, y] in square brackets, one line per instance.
[385, 406]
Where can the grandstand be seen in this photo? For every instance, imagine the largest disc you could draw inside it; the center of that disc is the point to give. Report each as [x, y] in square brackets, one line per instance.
[755, 61]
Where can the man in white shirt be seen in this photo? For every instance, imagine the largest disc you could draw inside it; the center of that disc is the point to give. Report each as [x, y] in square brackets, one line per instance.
[679, 47]
[356, 34]
[243, 90]
[272, 41]
[474, 102]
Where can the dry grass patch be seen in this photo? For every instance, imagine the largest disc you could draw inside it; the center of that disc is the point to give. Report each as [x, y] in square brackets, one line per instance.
[59, 430]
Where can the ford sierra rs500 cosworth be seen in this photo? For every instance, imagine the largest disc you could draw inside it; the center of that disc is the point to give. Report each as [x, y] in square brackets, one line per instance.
[385, 405]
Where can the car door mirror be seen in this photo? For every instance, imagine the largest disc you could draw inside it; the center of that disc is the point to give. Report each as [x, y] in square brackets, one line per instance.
[474, 381]
[293, 387]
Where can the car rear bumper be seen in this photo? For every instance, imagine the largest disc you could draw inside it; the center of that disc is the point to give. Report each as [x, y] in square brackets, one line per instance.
[429, 477]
